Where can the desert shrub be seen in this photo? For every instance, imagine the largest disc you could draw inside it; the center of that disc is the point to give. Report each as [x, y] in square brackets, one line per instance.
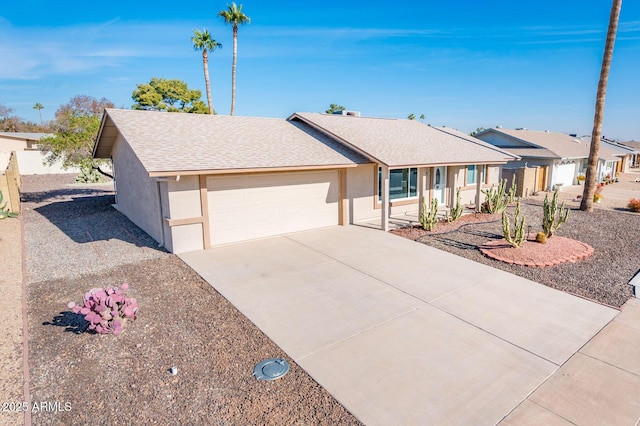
[634, 205]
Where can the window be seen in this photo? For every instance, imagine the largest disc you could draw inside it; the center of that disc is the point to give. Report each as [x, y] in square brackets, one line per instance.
[472, 174]
[403, 183]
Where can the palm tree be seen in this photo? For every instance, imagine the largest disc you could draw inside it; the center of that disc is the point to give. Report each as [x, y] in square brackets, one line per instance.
[233, 15]
[590, 182]
[202, 41]
[39, 107]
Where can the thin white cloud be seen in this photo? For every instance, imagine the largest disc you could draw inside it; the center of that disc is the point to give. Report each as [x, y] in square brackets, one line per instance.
[37, 52]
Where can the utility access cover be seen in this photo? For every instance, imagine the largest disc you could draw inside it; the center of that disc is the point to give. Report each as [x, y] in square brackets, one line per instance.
[271, 369]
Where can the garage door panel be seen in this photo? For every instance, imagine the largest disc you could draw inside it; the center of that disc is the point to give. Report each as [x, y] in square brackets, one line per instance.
[254, 206]
[565, 174]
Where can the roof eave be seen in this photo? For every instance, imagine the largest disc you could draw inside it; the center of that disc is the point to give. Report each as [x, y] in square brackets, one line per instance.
[166, 173]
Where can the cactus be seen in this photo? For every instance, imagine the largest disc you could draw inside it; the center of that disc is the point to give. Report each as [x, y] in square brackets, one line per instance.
[107, 311]
[552, 217]
[496, 199]
[429, 219]
[519, 236]
[4, 211]
[456, 212]
[541, 237]
[87, 175]
[512, 190]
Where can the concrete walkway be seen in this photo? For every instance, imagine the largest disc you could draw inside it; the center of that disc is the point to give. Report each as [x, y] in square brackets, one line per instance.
[402, 333]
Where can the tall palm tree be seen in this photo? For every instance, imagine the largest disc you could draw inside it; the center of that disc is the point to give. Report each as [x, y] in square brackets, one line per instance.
[233, 15]
[590, 182]
[202, 41]
[39, 107]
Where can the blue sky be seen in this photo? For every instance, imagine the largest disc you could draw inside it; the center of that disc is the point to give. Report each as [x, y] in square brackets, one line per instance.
[464, 64]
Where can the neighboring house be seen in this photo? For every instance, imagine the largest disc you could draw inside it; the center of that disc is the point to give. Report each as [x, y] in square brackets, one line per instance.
[192, 181]
[634, 162]
[561, 157]
[16, 141]
[624, 152]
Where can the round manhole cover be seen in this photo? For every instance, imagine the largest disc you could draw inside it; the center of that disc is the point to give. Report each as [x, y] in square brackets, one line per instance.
[271, 369]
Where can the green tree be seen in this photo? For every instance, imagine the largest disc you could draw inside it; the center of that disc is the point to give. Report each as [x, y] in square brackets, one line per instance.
[421, 117]
[334, 108]
[202, 41]
[76, 126]
[411, 116]
[168, 95]
[234, 16]
[39, 107]
[476, 131]
[590, 183]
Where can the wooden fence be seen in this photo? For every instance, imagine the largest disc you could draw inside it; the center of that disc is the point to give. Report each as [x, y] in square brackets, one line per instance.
[10, 184]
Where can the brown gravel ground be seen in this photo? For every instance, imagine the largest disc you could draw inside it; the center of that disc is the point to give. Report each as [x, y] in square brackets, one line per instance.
[602, 277]
[182, 322]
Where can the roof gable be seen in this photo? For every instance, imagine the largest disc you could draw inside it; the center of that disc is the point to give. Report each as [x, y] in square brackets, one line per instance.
[400, 142]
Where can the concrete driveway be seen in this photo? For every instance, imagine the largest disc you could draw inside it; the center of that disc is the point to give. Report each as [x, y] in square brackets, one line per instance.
[399, 332]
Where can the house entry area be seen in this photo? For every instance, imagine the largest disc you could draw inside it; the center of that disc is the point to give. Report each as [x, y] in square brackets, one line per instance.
[439, 184]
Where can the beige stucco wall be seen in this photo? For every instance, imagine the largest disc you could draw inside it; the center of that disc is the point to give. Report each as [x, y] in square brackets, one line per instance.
[183, 200]
[184, 197]
[360, 189]
[187, 238]
[12, 144]
[137, 193]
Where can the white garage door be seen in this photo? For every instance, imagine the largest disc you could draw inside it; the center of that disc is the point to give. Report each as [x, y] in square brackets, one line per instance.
[244, 207]
[565, 174]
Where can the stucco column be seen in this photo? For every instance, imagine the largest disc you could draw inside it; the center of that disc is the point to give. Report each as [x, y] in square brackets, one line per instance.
[478, 186]
[343, 202]
[384, 189]
[422, 187]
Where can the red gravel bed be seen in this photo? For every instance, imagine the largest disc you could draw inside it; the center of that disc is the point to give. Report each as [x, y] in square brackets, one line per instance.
[416, 232]
[555, 251]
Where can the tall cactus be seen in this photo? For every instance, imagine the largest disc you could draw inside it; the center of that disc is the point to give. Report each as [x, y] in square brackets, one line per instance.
[429, 219]
[519, 236]
[512, 190]
[496, 199]
[456, 212]
[552, 217]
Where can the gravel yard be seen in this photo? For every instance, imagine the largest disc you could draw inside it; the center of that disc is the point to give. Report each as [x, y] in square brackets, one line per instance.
[602, 277]
[75, 241]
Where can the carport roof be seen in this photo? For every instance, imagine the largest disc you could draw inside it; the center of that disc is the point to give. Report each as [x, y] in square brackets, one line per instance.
[177, 142]
[402, 142]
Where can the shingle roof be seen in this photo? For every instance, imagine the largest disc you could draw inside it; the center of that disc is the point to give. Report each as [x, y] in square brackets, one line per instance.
[174, 142]
[632, 144]
[531, 152]
[400, 142]
[554, 145]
